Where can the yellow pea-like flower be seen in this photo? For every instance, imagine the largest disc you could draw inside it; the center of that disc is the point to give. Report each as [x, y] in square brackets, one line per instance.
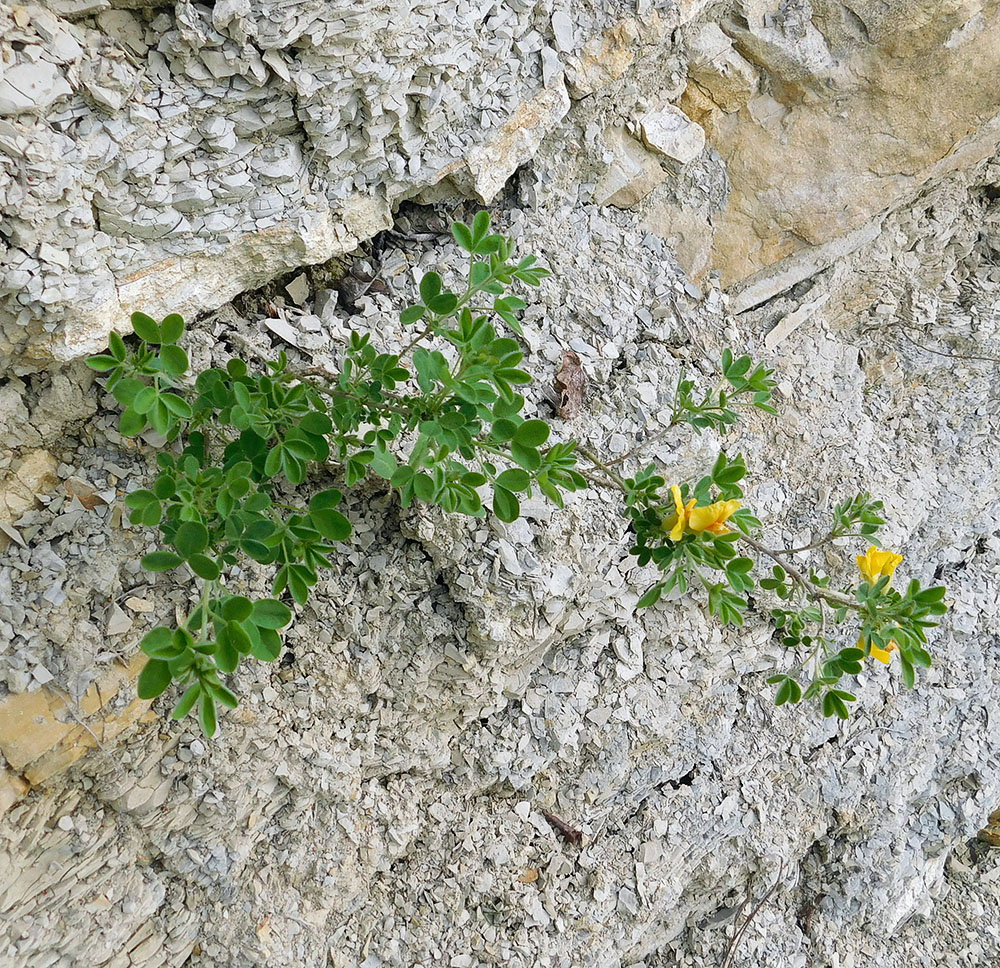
[713, 517]
[875, 564]
[694, 520]
[678, 520]
[883, 655]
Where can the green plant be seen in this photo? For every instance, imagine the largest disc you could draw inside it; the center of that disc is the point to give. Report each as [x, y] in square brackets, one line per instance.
[441, 422]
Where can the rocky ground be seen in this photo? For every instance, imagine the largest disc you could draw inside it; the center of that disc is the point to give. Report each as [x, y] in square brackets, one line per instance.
[381, 795]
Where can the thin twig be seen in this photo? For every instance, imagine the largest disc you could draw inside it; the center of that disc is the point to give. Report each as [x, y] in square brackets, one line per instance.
[811, 589]
[597, 462]
[738, 935]
[646, 443]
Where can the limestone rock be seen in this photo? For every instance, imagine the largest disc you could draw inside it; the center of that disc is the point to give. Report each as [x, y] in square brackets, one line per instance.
[840, 140]
[633, 173]
[31, 88]
[672, 133]
[716, 67]
[490, 165]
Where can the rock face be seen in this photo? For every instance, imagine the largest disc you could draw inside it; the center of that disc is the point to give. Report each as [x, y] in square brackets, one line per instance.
[173, 160]
[860, 108]
[815, 183]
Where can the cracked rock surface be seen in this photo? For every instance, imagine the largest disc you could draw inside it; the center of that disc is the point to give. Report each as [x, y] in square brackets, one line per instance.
[384, 794]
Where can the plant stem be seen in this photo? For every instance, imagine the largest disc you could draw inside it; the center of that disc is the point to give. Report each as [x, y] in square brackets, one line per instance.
[597, 462]
[812, 590]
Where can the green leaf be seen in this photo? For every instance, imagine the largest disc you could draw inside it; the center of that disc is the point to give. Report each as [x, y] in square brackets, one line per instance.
[154, 679]
[504, 429]
[527, 457]
[238, 636]
[480, 226]
[117, 346]
[206, 714]
[329, 523]
[224, 695]
[174, 359]
[226, 657]
[411, 315]
[145, 400]
[237, 608]
[204, 567]
[383, 463]
[160, 561]
[423, 486]
[317, 423]
[273, 462]
[514, 479]
[505, 506]
[187, 701]
[271, 614]
[172, 328]
[178, 406]
[532, 433]
[833, 705]
[101, 363]
[430, 286]
[159, 418]
[158, 643]
[191, 538]
[140, 499]
[269, 647]
[909, 675]
[146, 328]
[651, 597]
[463, 236]
[443, 304]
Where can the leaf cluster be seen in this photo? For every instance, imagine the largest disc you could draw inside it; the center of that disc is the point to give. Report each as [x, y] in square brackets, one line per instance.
[889, 620]
[742, 383]
[857, 517]
[442, 425]
[695, 555]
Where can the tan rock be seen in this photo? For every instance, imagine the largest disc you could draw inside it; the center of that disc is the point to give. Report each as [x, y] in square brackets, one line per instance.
[688, 233]
[12, 788]
[19, 491]
[839, 140]
[604, 59]
[40, 734]
[631, 176]
[28, 726]
[727, 78]
[489, 165]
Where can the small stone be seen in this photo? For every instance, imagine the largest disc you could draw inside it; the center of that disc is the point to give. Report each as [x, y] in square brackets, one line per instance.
[325, 302]
[42, 674]
[119, 623]
[139, 605]
[298, 289]
[65, 823]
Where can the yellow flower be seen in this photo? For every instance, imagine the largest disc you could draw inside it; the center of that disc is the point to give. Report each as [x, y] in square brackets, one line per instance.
[677, 521]
[695, 519]
[713, 517]
[875, 564]
[883, 655]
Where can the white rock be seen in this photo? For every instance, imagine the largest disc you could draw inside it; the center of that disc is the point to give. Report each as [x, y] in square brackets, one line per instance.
[672, 133]
[31, 87]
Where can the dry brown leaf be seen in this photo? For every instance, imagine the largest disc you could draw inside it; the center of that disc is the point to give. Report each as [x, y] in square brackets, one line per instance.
[571, 384]
[529, 876]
